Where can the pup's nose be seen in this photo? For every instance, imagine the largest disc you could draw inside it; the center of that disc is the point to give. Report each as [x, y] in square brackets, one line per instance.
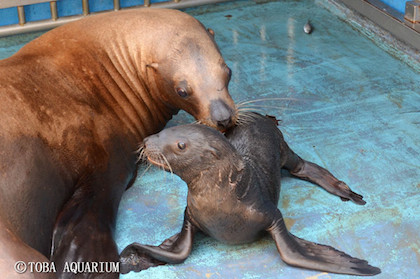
[145, 142]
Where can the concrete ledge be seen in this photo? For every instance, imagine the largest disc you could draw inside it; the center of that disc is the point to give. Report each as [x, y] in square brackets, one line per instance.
[387, 18]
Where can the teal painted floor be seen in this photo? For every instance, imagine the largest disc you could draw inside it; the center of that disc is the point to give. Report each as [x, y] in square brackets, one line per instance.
[353, 109]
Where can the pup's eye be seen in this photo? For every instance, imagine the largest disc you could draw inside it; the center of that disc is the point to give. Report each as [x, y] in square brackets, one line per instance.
[182, 92]
[181, 145]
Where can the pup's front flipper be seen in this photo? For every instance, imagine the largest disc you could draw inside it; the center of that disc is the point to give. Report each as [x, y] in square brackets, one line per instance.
[137, 257]
[301, 253]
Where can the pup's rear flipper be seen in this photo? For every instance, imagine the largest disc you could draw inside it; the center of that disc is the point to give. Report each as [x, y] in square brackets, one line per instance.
[299, 252]
[318, 175]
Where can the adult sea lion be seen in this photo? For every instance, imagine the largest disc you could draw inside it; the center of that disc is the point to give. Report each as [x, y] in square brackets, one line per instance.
[233, 191]
[75, 104]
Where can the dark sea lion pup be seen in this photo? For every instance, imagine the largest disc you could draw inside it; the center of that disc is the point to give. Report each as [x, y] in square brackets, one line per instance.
[233, 191]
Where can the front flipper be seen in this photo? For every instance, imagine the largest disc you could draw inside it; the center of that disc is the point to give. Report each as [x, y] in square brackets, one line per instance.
[84, 230]
[302, 253]
[137, 257]
[318, 175]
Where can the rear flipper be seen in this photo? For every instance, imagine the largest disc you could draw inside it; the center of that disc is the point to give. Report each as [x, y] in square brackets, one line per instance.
[318, 175]
[301, 253]
[137, 257]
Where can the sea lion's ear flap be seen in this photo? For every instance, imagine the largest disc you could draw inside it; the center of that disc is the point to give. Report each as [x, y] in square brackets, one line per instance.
[235, 177]
[216, 153]
[240, 166]
[274, 119]
[211, 31]
[236, 172]
[154, 66]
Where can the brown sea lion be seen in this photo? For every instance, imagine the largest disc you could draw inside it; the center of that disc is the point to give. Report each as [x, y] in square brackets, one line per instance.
[75, 104]
[233, 191]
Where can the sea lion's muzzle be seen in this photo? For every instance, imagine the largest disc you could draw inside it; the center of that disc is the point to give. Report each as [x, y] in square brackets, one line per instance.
[221, 114]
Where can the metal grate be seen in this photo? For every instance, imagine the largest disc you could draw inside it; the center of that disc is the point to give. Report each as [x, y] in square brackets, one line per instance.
[54, 21]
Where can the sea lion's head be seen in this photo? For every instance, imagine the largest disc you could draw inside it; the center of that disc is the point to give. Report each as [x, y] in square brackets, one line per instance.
[193, 76]
[189, 150]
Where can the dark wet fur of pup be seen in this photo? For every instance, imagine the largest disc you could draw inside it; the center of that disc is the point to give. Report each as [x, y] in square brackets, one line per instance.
[233, 191]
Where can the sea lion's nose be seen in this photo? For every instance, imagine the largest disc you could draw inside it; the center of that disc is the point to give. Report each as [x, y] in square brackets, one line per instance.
[221, 114]
[223, 124]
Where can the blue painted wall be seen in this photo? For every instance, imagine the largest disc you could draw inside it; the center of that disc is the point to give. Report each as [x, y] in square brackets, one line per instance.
[65, 8]
[8, 16]
[399, 5]
[71, 7]
[37, 12]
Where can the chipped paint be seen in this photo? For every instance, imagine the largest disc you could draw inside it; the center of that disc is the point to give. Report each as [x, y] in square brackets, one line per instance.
[323, 275]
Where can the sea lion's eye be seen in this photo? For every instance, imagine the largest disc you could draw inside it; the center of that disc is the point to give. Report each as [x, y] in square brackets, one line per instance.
[181, 145]
[182, 92]
[229, 72]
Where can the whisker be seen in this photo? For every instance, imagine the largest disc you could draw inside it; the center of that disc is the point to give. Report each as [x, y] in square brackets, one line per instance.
[245, 119]
[197, 122]
[244, 116]
[250, 110]
[139, 151]
[162, 164]
[144, 172]
[140, 148]
[141, 156]
[157, 157]
[260, 108]
[142, 153]
[167, 163]
[245, 113]
[241, 103]
[272, 107]
[160, 161]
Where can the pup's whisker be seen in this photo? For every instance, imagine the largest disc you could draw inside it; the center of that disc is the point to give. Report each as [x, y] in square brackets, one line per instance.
[167, 163]
[144, 172]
